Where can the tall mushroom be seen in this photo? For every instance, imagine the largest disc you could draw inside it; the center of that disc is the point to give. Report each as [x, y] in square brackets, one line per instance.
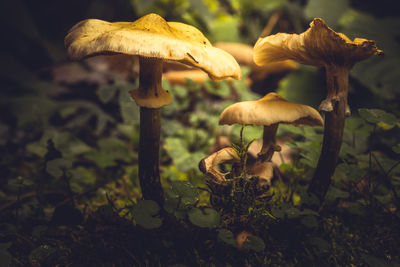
[269, 111]
[154, 40]
[321, 46]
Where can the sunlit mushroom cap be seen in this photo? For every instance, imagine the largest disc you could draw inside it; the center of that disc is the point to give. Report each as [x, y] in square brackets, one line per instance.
[270, 109]
[151, 36]
[318, 46]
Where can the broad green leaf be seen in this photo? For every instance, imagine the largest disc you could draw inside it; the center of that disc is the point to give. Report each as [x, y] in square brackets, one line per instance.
[227, 237]
[377, 116]
[182, 158]
[144, 211]
[254, 243]
[65, 142]
[309, 221]
[184, 191]
[335, 193]
[103, 159]
[56, 167]
[221, 88]
[348, 173]
[279, 211]
[128, 108]
[206, 218]
[106, 92]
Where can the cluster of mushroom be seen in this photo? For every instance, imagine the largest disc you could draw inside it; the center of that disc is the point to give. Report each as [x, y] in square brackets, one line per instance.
[269, 111]
[154, 41]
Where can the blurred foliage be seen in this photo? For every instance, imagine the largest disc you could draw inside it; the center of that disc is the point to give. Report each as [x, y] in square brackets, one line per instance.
[69, 135]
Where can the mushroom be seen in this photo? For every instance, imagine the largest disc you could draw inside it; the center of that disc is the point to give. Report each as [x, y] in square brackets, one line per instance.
[242, 237]
[154, 40]
[322, 47]
[208, 165]
[269, 111]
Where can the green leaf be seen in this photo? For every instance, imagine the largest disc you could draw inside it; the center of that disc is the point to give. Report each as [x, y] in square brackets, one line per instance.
[103, 159]
[128, 108]
[56, 167]
[376, 116]
[335, 193]
[309, 199]
[182, 158]
[348, 173]
[279, 211]
[144, 211]
[396, 148]
[309, 221]
[221, 88]
[227, 237]
[106, 93]
[184, 191]
[206, 218]
[254, 243]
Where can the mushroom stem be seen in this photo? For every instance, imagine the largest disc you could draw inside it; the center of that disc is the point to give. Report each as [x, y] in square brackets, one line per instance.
[334, 107]
[150, 94]
[150, 128]
[269, 145]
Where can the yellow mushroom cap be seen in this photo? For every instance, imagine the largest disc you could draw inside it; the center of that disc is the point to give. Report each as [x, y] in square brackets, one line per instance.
[318, 46]
[270, 109]
[151, 36]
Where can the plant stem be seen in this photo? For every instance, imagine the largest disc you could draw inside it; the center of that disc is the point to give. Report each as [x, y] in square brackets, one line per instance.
[334, 107]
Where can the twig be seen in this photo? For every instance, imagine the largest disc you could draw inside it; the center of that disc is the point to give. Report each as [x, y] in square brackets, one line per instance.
[273, 20]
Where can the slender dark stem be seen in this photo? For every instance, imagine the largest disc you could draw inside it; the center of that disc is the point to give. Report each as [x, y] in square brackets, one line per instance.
[150, 96]
[149, 174]
[334, 107]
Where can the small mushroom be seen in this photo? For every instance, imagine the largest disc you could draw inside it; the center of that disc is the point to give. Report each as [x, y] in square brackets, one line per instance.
[154, 40]
[208, 165]
[241, 237]
[321, 46]
[269, 111]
